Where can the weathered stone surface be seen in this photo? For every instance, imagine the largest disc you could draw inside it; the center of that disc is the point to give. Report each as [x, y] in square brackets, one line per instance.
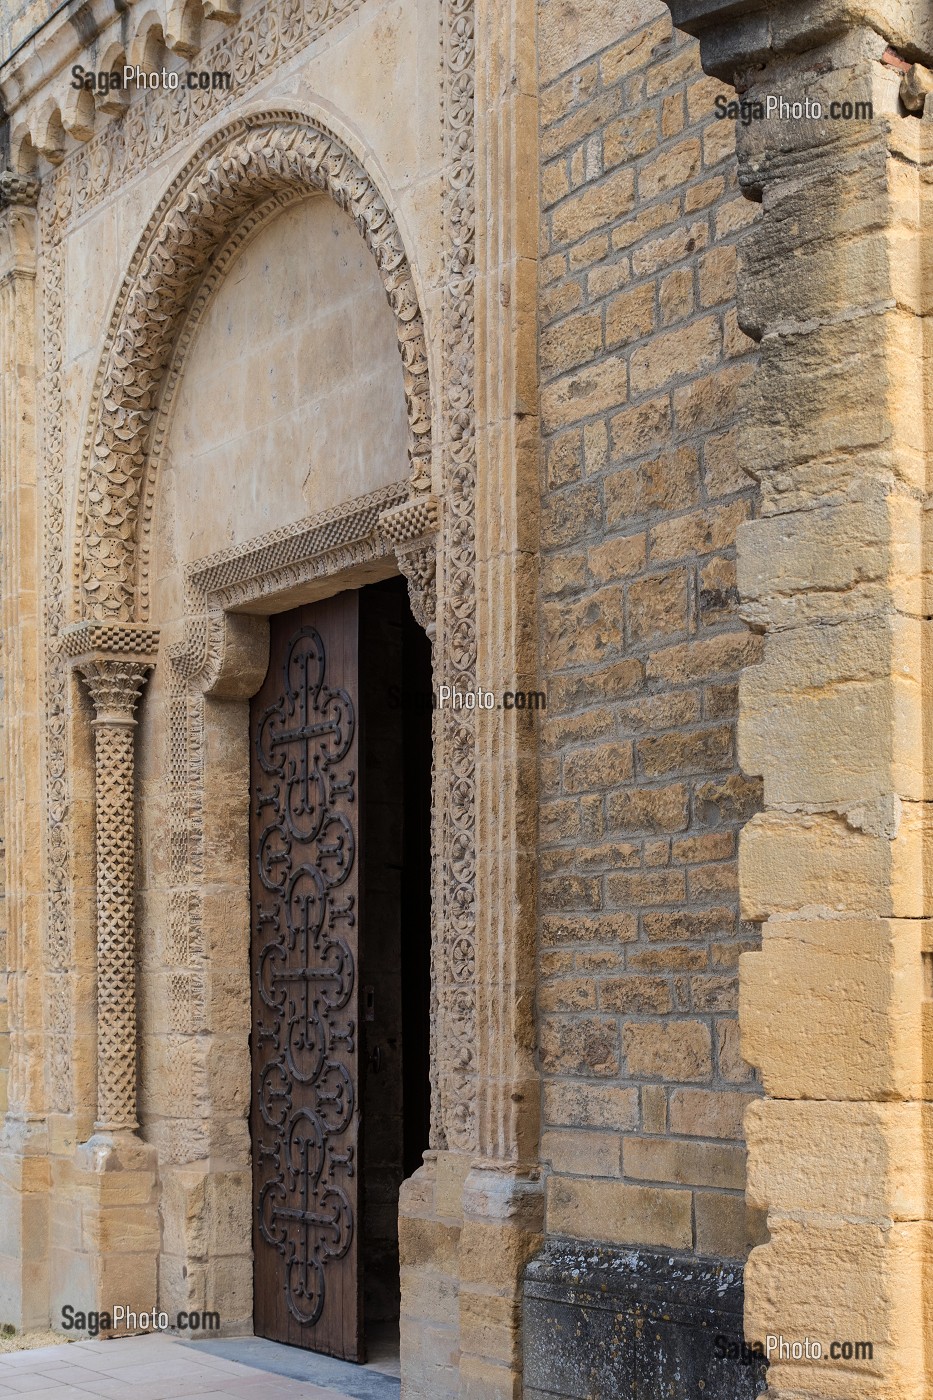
[606, 1322]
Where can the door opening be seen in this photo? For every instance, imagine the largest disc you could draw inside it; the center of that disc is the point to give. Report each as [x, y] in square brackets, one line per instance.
[395, 931]
[340, 735]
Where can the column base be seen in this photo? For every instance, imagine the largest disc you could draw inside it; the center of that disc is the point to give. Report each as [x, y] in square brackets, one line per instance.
[430, 1222]
[503, 1226]
[105, 1235]
[25, 1187]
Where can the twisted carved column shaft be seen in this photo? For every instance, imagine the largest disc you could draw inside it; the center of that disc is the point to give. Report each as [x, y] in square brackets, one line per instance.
[115, 687]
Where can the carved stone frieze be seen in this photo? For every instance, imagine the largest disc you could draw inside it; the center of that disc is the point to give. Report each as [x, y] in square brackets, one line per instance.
[160, 119]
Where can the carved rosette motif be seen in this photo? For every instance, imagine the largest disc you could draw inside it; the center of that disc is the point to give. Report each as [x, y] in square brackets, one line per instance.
[115, 685]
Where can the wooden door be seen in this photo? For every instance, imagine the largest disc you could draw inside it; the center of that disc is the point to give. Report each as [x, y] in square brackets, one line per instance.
[304, 1112]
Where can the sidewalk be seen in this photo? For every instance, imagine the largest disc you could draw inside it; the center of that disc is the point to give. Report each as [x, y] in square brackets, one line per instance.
[165, 1368]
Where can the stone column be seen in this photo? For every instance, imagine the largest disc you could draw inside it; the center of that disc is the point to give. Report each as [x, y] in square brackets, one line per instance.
[115, 687]
[111, 1252]
[834, 285]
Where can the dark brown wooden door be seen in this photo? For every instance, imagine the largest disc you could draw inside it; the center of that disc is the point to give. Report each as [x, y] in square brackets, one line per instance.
[304, 1114]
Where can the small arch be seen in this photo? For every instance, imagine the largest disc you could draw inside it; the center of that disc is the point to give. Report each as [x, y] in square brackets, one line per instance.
[48, 133]
[183, 27]
[78, 114]
[24, 158]
[113, 98]
[148, 49]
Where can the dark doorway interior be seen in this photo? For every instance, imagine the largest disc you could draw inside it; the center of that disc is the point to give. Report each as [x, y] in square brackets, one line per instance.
[395, 931]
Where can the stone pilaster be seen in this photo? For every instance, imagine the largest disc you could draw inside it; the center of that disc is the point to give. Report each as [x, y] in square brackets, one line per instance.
[503, 1196]
[24, 1163]
[471, 1221]
[833, 285]
[20, 522]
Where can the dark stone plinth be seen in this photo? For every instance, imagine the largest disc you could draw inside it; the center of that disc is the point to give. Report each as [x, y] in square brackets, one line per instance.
[634, 1324]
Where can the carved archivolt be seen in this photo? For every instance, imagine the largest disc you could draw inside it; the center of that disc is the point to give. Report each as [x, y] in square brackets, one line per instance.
[258, 159]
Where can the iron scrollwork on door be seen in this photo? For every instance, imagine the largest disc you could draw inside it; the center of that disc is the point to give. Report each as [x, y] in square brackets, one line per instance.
[304, 971]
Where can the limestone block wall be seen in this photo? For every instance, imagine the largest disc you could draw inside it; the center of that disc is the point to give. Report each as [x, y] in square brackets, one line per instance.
[641, 364]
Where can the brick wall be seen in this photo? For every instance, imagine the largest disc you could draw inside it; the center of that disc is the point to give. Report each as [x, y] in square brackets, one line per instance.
[641, 645]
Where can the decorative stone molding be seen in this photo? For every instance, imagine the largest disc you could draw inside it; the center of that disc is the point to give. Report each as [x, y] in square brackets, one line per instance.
[454, 1104]
[249, 163]
[108, 639]
[17, 190]
[293, 554]
[115, 684]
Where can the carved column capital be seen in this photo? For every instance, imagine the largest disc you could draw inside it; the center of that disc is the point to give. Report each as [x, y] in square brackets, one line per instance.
[115, 686]
[411, 529]
[736, 36]
[114, 660]
[18, 241]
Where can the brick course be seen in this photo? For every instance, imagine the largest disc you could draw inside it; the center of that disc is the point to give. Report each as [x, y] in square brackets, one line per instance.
[641, 361]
